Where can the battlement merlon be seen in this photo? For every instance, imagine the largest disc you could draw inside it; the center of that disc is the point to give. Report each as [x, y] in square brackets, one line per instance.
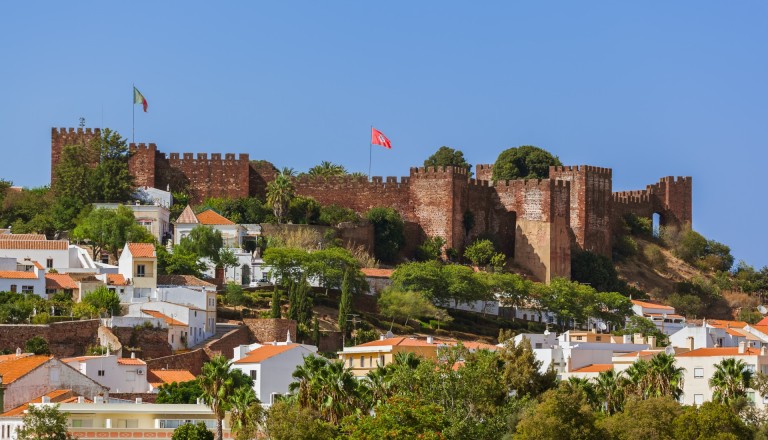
[214, 157]
[554, 170]
[66, 131]
[142, 146]
[442, 171]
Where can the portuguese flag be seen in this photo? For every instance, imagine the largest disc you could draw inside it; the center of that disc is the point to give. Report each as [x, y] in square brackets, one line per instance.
[138, 98]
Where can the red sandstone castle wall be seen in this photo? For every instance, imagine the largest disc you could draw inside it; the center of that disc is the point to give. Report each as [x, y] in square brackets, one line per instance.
[484, 171]
[590, 205]
[142, 164]
[61, 137]
[670, 197]
[203, 177]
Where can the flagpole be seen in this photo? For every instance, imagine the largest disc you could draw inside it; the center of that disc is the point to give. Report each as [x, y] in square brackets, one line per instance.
[133, 116]
[370, 152]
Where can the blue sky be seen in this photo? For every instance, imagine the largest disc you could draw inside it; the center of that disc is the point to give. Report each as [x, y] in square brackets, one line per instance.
[649, 89]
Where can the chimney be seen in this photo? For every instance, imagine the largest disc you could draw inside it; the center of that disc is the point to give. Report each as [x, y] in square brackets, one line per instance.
[80, 399]
[742, 347]
[594, 330]
[652, 341]
[627, 339]
[98, 399]
[691, 343]
[639, 338]
[46, 399]
[18, 351]
[133, 355]
[430, 340]
[138, 400]
[381, 337]
[568, 364]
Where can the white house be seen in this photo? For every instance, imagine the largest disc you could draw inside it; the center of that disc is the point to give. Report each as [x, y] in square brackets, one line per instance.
[138, 266]
[700, 365]
[271, 366]
[231, 232]
[187, 326]
[27, 277]
[153, 216]
[664, 317]
[51, 254]
[119, 375]
[713, 333]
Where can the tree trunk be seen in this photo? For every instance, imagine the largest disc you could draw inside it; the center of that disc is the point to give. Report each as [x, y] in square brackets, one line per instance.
[219, 429]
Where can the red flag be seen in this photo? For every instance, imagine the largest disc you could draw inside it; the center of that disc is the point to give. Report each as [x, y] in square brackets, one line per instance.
[378, 138]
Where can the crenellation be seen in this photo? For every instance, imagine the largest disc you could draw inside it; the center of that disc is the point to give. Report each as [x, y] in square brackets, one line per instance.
[537, 221]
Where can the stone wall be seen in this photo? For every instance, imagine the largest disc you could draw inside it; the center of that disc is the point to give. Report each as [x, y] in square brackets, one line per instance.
[64, 339]
[226, 344]
[61, 137]
[145, 397]
[191, 360]
[151, 341]
[269, 330]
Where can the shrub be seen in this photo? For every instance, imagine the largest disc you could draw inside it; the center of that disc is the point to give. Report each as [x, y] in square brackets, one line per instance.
[332, 215]
[638, 226]
[625, 246]
[480, 252]
[655, 257]
[37, 345]
[388, 232]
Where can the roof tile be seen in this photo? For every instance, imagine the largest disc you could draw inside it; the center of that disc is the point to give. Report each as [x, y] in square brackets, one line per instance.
[141, 250]
[11, 370]
[211, 217]
[159, 377]
[50, 245]
[116, 279]
[168, 320]
[187, 216]
[17, 275]
[265, 352]
[182, 280]
[59, 281]
[22, 237]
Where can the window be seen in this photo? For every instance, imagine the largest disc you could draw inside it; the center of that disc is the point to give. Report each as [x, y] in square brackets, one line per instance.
[350, 362]
[127, 423]
[175, 423]
[698, 372]
[13, 288]
[751, 368]
[147, 224]
[50, 291]
[49, 263]
[141, 292]
[254, 374]
[599, 338]
[27, 289]
[698, 399]
[100, 373]
[751, 397]
[538, 345]
[579, 338]
[381, 359]
[362, 361]
[82, 423]
[140, 271]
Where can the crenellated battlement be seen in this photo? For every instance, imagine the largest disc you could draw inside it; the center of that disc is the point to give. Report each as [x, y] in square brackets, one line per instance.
[351, 181]
[580, 169]
[142, 147]
[203, 157]
[422, 172]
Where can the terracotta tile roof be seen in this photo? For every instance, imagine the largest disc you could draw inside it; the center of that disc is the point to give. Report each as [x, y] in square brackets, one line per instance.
[211, 217]
[642, 353]
[669, 315]
[116, 279]
[141, 250]
[17, 275]
[56, 396]
[10, 357]
[403, 341]
[377, 273]
[265, 352]
[187, 216]
[718, 351]
[130, 361]
[651, 305]
[182, 280]
[594, 368]
[79, 358]
[59, 281]
[11, 370]
[721, 323]
[763, 321]
[51, 245]
[167, 319]
[159, 377]
[22, 237]
[762, 328]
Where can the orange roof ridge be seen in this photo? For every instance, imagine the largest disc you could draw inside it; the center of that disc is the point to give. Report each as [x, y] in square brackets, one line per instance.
[265, 352]
[168, 320]
[34, 244]
[142, 250]
[11, 370]
[651, 305]
[211, 217]
[59, 281]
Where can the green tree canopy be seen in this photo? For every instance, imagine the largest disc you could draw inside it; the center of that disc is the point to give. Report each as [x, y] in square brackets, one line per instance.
[327, 169]
[525, 162]
[179, 392]
[110, 230]
[192, 431]
[44, 422]
[399, 418]
[480, 252]
[37, 345]
[388, 229]
[104, 300]
[644, 419]
[563, 413]
[447, 156]
[398, 304]
[711, 420]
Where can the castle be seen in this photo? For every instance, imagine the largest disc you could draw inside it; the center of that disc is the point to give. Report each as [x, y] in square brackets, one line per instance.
[537, 222]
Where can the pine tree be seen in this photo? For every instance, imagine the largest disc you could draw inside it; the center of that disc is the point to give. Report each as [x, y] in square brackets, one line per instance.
[276, 304]
[345, 304]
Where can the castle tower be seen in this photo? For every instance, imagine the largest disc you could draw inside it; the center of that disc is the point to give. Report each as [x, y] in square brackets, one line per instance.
[590, 205]
[61, 137]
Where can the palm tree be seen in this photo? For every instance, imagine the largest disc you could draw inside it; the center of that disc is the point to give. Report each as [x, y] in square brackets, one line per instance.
[665, 379]
[731, 380]
[378, 384]
[327, 169]
[637, 378]
[338, 392]
[306, 378]
[246, 413]
[280, 192]
[609, 388]
[218, 385]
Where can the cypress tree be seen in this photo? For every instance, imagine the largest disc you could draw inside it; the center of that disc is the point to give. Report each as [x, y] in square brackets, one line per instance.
[345, 303]
[276, 303]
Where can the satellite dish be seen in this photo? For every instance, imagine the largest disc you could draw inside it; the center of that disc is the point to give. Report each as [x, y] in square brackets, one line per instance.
[669, 351]
[601, 326]
[389, 335]
[762, 309]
